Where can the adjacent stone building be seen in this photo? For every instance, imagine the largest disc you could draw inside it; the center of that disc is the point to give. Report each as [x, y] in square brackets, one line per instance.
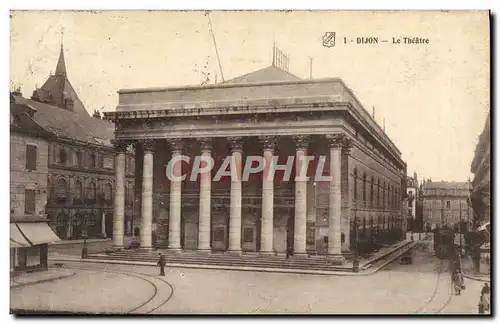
[481, 184]
[29, 232]
[445, 203]
[81, 176]
[269, 112]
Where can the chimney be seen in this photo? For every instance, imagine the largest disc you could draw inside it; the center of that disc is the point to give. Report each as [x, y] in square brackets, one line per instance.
[97, 114]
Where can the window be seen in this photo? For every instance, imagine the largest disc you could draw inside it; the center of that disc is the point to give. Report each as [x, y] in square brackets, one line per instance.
[383, 195]
[91, 191]
[390, 197]
[448, 204]
[78, 159]
[54, 153]
[371, 191]
[78, 192]
[108, 192]
[29, 201]
[355, 179]
[62, 156]
[378, 193]
[31, 151]
[92, 160]
[62, 191]
[364, 187]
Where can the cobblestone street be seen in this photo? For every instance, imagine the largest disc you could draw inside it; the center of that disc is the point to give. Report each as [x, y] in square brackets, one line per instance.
[396, 289]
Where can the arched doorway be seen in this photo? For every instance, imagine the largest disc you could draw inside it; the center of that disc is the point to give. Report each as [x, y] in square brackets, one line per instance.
[61, 225]
[77, 226]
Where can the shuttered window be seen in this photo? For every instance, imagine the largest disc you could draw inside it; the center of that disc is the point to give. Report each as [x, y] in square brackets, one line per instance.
[29, 201]
[31, 151]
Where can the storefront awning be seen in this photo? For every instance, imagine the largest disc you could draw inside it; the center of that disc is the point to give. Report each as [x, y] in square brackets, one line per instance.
[38, 233]
[17, 239]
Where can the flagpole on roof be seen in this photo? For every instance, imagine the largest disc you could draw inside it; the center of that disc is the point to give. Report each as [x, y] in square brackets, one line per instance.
[310, 67]
[215, 44]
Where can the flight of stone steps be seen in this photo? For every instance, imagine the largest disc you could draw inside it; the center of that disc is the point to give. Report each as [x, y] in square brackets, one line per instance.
[225, 259]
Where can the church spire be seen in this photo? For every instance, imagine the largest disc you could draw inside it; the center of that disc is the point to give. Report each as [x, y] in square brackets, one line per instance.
[61, 64]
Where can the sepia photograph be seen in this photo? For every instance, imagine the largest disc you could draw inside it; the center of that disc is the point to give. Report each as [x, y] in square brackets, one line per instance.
[250, 162]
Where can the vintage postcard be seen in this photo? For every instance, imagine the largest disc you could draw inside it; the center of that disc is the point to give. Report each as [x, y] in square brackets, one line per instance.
[250, 162]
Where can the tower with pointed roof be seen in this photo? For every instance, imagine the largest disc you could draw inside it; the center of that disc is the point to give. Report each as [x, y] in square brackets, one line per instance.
[58, 91]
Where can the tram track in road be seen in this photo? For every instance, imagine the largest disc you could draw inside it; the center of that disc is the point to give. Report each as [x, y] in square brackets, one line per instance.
[428, 304]
[450, 296]
[154, 302]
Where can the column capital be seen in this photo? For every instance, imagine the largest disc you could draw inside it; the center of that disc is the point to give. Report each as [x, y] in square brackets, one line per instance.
[148, 145]
[235, 143]
[175, 144]
[335, 140]
[301, 142]
[346, 145]
[268, 142]
[205, 143]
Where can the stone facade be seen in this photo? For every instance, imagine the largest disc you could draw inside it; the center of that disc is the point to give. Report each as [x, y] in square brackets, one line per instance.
[80, 160]
[297, 117]
[22, 179]
[481, 184]
[445, 203]
[28, 188]
[81, 189]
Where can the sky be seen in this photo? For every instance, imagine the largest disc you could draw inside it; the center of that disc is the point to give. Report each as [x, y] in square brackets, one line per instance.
[433, 98]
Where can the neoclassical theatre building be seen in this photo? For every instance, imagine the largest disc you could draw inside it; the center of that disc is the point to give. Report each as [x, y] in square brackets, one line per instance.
[269, 112]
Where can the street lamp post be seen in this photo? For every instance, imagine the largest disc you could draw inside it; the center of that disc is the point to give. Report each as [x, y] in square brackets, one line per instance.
[460, 229]
[84, 249]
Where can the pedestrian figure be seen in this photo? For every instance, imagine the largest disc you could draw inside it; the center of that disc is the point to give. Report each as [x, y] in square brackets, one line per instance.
[481, 305]
[162, 262]
[458, 281]
[485, 296]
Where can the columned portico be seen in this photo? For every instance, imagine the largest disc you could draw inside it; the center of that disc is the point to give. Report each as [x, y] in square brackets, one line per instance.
[267, 196]
[174, 226]
[334, 205]
[301, 164]
[240, 216]
[205, 197]
[119, 210]
[147, 196]
[236, 145]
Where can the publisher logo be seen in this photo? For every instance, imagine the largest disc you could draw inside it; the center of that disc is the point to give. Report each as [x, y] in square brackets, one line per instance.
[329, 39]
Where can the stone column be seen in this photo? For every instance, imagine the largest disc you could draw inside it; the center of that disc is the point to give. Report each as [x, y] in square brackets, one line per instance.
[300, 232]
[174, 217]
[204, 223]
[147, 196]
[346, 194]
[267, 227]
[334, 204]
[236, 144]
[119, 208]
